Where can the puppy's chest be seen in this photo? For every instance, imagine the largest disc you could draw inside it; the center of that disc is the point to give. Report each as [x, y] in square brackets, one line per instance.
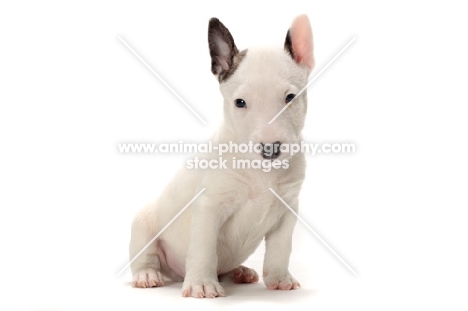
[245, 229]
[261, 209]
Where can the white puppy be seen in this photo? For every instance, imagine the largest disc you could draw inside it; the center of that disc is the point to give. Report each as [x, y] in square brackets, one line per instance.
[228, 221]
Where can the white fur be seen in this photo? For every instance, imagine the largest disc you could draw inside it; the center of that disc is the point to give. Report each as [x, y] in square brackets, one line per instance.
[225, 225]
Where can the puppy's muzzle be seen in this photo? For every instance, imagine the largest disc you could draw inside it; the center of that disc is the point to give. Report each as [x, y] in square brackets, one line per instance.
[271, 151]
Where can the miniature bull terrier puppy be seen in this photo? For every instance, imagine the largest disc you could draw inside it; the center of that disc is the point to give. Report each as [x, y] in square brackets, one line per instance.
[236, 211]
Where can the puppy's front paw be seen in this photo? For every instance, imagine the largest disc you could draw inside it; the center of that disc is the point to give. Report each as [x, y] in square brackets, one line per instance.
[148, 277]
[287, 282]
[202, 288]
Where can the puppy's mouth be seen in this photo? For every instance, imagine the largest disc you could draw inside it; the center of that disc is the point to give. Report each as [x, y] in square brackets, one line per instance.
[281, 156]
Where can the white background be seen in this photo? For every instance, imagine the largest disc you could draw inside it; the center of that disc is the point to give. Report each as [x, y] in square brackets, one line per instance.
[70, 91]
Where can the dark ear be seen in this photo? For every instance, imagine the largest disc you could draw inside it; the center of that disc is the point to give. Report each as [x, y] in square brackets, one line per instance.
[299, 42]
[222, 48]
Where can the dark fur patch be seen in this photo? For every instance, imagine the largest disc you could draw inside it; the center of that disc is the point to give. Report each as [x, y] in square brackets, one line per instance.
[216, 32]
[236, 61]
[288, 45]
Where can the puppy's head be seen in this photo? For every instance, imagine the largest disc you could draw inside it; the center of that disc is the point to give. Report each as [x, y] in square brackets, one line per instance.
[257, 83]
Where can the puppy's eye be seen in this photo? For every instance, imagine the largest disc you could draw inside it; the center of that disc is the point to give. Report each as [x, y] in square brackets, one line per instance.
[240, 103]
[290, 97]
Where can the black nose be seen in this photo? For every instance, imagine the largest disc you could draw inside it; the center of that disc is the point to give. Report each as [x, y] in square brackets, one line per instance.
[271, 151]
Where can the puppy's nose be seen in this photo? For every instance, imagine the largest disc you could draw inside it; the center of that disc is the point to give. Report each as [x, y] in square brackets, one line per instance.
[271, 151]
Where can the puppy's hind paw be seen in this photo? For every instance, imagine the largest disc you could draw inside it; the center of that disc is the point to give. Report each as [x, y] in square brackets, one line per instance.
[243, 274]
[148, 277]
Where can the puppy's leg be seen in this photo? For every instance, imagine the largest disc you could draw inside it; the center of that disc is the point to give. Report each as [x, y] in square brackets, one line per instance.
[146, 267]
[242, 274]
[278, 243]
[201, 278]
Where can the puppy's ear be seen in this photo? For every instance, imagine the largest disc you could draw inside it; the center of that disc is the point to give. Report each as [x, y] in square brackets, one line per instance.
[299, 42]
[222, 48]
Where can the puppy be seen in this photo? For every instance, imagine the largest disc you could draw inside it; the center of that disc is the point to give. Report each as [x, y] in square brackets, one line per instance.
[236, 210]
